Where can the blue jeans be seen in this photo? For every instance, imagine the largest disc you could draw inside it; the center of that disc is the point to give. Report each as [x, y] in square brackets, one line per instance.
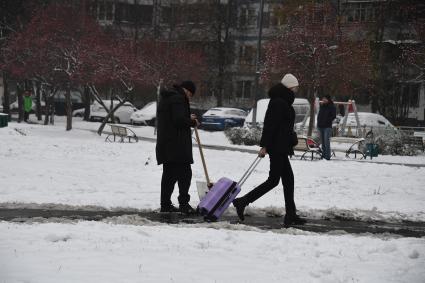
[325, 136]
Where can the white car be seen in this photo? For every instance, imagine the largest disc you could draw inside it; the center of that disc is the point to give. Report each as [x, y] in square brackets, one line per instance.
[368, 121]
[122, 114]
[79, 112]
[145, 116]
[301, 107]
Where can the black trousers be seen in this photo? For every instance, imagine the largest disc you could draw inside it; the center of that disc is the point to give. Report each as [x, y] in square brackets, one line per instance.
[26, 115]
[172, 173]
[280, 168]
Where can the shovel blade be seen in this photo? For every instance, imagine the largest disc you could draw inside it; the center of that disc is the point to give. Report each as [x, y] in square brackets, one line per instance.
[202, 188]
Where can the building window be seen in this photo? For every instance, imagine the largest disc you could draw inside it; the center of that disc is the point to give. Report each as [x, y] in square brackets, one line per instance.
[246, 55]
[247, 17]
[166, 15]
[266, 19]
[277, 18]
[243, 89]
[105, 11]
[361, 12]
[131, 13]
[409, 94]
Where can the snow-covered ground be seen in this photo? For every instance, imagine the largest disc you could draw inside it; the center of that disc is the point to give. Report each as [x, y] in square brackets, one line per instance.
[106, 252]
[50, 165]
[47, 165]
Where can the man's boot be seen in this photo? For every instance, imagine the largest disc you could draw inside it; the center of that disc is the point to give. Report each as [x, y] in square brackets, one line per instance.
[240, 204]
[187, 209]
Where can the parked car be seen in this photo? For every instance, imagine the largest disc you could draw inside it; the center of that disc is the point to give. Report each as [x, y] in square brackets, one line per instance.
[145, 116]
[80, 112]
[368, 121]
[220, 118]
[306, 121]
[122, 114]
[60, 103]
[301, 107]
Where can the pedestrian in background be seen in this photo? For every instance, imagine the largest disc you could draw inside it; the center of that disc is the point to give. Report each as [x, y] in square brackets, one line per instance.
[327, 113]
[174, 145]
[277, 140]
[27, 105]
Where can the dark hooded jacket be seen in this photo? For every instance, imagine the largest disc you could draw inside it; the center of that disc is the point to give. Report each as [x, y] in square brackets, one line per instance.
[279, 121]
[327, 113]
[174, 136]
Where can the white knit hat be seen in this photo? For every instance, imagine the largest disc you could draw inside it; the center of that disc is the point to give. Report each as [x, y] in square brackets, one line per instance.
[289, 80]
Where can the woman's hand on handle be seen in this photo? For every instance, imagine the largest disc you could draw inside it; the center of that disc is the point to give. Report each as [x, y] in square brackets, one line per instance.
[262, 153]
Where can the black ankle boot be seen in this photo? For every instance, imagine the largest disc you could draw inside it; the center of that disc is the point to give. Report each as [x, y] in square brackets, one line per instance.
[240, 205]
[293, 219]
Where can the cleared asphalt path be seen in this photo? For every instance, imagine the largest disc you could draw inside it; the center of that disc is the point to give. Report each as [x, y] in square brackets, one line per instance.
[337, 225]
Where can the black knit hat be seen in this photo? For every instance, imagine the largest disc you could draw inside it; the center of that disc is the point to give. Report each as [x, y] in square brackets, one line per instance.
[189, 85]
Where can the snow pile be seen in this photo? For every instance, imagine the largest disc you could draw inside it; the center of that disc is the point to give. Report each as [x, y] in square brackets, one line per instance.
[103, 252]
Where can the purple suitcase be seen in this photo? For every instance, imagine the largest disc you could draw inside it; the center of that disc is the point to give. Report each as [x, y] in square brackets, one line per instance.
[221, 195]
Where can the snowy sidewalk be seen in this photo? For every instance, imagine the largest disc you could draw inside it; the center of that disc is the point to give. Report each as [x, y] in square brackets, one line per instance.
[87, 252]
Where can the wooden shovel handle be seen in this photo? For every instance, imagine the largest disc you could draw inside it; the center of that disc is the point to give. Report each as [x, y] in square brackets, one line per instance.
[209, 184]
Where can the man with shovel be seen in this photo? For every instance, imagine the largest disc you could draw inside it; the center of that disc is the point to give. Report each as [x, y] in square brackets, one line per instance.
[174, 145]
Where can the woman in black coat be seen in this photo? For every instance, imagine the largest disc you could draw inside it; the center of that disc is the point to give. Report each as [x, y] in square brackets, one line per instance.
[278, 139]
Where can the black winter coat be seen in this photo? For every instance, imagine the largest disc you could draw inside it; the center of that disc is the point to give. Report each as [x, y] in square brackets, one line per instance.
[279, 121]
[327, 113]
[174, 136]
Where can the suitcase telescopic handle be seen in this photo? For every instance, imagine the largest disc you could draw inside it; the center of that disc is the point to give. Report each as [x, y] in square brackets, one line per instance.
[249, 171]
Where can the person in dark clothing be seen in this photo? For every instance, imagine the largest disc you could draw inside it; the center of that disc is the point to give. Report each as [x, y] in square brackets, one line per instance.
[174, 145]
[327, 113]
[278, 139]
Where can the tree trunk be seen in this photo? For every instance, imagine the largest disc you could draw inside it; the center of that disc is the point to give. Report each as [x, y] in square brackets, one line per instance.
[68, 108]
[19, 92]
[46, 107]
[110, 114]
[110, 110]
[38, 101]
[87, 101]
[6, 95]
[312, 99]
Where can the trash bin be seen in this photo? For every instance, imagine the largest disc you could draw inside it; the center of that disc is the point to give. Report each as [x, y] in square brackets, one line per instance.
[371, 150]
[3, 120]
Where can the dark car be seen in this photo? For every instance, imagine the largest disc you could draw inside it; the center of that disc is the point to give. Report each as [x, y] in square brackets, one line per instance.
[221, 118]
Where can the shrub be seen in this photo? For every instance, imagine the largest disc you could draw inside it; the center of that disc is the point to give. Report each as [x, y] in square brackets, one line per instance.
[245, 136]
[395, 143]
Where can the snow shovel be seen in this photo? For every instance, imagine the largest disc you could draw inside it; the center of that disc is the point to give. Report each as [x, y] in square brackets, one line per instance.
[202, 187]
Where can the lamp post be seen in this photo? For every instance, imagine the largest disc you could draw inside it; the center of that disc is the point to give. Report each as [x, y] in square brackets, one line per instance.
[257, 63]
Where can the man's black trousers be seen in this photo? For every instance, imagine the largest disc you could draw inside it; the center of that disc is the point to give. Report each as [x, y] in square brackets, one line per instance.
[172, 173]
[280, 168]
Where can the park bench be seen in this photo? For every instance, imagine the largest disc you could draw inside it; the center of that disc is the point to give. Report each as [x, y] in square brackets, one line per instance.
[121, 134]
[354, 150]
[304, 146]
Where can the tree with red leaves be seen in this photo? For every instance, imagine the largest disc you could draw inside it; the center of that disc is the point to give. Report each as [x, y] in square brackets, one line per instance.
[62, 47]
[124, 64]
[49, 49]
[312, 48]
